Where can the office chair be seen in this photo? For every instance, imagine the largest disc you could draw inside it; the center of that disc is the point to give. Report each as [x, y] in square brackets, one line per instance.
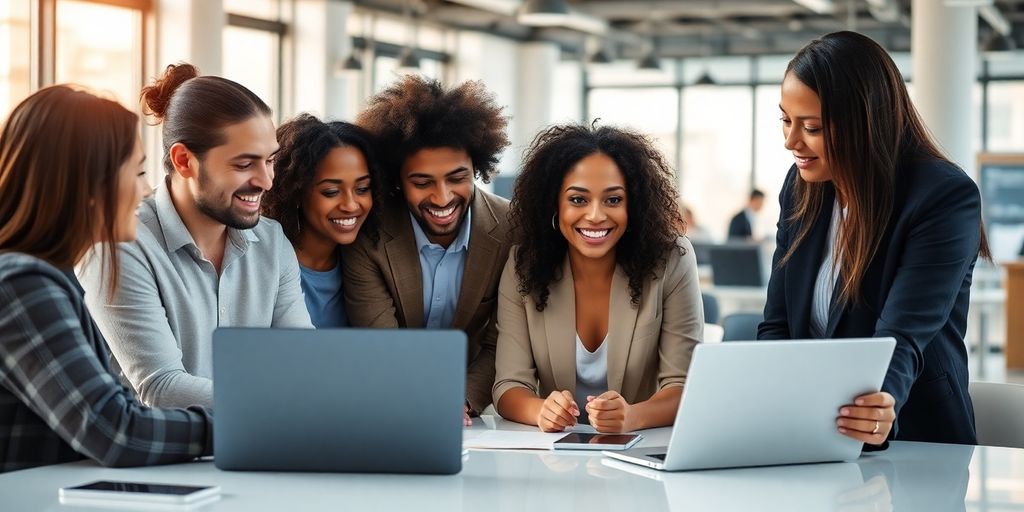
[710, 308]
[998, 413]
[741, 326]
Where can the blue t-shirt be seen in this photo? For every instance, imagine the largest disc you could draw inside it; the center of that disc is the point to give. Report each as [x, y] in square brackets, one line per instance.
[324, 298]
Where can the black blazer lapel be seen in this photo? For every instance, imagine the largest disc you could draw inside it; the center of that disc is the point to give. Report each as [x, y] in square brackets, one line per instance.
[803, 269]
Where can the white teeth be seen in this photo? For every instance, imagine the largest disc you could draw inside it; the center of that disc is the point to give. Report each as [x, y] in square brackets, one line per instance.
[249, 198]
[441, 213]
[595, 234]
[348, 222]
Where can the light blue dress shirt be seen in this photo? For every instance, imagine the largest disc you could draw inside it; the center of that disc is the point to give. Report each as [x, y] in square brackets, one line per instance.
[442, 273]
[324, 298]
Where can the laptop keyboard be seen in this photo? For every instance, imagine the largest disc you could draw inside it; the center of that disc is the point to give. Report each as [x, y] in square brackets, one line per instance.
[659, 456]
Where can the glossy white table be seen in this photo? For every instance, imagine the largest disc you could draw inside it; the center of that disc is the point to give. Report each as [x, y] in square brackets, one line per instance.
[907, 477]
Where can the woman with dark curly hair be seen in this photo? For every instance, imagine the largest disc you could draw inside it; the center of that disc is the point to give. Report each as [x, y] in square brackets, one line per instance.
[599, 308]
[322, 196]
[443, 241]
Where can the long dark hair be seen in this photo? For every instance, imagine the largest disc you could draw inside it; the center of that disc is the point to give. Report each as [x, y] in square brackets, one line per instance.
[64, 147]
[305, 141]
[653, 224]
[871, 127]
[194, 109]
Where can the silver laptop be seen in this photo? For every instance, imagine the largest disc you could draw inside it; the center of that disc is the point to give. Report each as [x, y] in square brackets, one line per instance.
[348, 400]
[761, 403]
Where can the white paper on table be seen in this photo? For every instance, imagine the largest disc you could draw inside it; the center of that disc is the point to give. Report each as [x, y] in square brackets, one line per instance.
[511, 440]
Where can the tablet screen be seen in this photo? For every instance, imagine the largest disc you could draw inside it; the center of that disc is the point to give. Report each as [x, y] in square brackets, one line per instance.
[588, 438]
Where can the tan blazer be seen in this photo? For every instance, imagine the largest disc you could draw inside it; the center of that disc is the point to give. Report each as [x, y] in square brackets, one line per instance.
[649, 347]
[384, 285]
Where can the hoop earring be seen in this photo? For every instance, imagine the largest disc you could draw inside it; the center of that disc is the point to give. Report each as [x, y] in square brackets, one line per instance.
[554, 220]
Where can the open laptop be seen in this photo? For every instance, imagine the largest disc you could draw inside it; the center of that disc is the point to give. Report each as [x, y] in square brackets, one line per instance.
[760, 403]
[347, 400]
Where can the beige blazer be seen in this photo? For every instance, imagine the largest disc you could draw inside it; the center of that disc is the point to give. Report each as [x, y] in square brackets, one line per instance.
[384, 287]
[649, 346]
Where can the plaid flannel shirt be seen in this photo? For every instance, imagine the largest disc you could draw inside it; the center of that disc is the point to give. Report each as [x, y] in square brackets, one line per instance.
[58, 400]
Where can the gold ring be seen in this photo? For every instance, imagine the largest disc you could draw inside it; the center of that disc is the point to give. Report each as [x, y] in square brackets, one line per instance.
[877, 425]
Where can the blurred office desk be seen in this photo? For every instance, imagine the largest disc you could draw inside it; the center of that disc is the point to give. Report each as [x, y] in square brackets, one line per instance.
[908, 477]
[738, 299]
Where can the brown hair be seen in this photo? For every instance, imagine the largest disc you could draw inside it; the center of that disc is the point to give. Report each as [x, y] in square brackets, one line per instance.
[871, 128]
[194, 109]
[63, 147]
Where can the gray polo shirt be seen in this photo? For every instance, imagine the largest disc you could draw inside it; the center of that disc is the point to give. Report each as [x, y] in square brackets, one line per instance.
[160, 321]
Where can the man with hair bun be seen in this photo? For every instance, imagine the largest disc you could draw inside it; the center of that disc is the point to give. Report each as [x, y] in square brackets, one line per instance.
[204, 257]
[443, 241]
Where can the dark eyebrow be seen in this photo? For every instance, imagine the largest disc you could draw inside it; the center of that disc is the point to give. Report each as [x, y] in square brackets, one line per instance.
[333, 181]
[609, 189]
[799, 117]
[447, 174]
[253, 156]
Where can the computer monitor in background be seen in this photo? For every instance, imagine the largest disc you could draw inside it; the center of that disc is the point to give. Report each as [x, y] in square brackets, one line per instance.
[736, 265]
[702, 251]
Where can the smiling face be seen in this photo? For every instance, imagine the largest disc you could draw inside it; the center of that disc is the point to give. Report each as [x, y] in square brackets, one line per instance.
[132, 188]
[592, 213]
[438, 187]
[340, 198]
[234, 175]
[802, 127]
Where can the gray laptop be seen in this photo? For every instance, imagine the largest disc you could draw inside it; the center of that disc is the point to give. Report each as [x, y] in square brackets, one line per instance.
[760, 403]
[349, 400]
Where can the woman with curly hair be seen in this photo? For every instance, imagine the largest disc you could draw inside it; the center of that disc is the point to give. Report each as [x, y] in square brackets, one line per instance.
[599, 308]
[322, 196]
[443, 241]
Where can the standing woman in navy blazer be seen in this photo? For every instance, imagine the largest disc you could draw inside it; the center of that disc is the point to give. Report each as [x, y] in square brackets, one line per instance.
[878, 236]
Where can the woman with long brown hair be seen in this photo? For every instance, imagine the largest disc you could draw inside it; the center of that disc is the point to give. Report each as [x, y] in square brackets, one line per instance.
[71, 178]
[890, 230]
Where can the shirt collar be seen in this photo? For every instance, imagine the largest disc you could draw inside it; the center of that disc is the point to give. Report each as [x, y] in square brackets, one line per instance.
[460, 243]
[176, 235]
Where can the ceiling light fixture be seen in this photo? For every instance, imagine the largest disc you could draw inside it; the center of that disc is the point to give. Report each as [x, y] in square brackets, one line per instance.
[818, 6]
[544, 13]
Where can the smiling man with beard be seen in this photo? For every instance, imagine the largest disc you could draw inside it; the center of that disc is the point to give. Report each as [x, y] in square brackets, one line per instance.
[443, 242]
[204, 258]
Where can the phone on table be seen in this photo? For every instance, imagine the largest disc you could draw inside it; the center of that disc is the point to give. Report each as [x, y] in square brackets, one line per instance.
[594, 441]
[135, 493]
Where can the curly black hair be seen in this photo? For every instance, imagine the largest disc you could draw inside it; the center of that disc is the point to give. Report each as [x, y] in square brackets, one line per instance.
[653, 225]
[305, 141]
[416, 113]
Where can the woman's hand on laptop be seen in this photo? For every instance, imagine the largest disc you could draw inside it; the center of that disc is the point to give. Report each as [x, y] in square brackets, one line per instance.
[609, 412]
[869, 419]
[558, 412]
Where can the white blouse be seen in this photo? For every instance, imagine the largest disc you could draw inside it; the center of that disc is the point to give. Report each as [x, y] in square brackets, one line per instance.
[591, 374]
[828, 273]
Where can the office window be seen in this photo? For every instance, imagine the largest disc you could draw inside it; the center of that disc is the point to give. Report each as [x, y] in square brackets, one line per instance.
[624, 73]
[566, 103]
[1006, 116]
[89, 53]
[650, 111]
[771, 159]
[264, 9]
[15, 65]
[716, 167]
[251, 57]
[386, 71]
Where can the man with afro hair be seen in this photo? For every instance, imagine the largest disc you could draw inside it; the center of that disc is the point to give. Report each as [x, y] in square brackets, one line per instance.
[443, 242]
